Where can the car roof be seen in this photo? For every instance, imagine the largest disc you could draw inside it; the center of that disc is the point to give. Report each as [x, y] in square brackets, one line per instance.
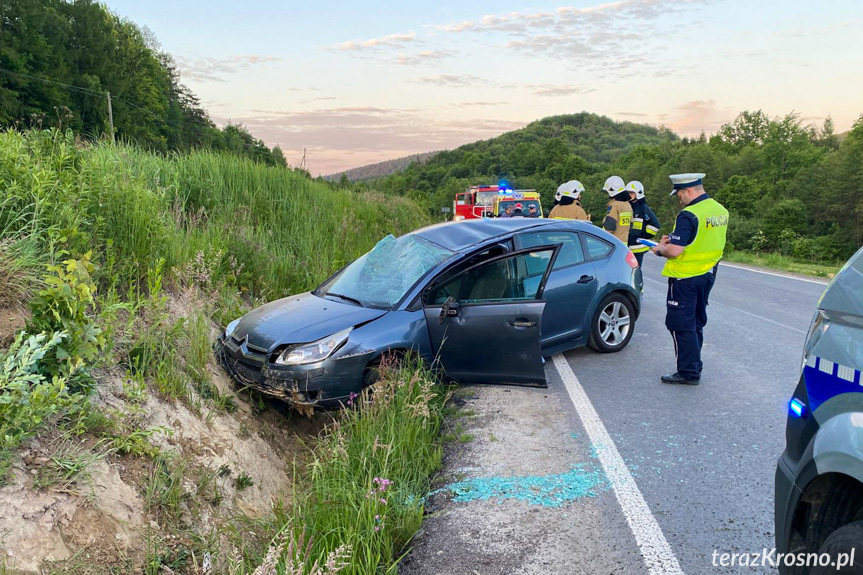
[457, 236]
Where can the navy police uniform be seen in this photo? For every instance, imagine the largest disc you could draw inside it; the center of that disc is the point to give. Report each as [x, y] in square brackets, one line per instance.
[700, 230]
[687, 301]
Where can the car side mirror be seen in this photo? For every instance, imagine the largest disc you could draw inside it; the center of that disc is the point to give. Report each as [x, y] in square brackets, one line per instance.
[449, 309]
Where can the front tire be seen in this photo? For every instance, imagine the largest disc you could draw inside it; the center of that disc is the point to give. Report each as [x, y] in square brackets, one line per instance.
[841, 542]
[613, 324]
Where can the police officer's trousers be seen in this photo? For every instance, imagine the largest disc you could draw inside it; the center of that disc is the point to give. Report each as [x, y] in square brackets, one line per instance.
[686, 316]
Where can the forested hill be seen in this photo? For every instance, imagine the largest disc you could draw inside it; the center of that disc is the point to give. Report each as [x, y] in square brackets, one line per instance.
[59, 59]
[791, 188]
[380, 169]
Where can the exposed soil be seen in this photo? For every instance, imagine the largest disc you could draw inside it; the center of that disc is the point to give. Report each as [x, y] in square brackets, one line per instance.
[105, 519]
[12, 320]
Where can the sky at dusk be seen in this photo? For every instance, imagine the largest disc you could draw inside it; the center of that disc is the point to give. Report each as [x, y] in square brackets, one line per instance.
[365, 81]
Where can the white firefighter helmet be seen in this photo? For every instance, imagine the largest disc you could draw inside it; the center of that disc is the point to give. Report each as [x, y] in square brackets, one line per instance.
[613, 186]
[571, 189]
[635, 186]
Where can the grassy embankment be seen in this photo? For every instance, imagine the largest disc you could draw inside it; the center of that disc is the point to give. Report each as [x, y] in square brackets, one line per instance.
[96, 240]
[784, 263]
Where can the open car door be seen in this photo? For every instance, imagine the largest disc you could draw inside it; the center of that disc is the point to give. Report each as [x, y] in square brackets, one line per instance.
[484, 322]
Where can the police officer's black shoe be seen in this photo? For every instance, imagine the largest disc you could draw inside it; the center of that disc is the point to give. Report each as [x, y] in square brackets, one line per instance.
[677, 378]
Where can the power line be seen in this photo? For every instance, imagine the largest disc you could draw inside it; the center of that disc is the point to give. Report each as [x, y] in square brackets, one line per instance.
[47, 81]
[80, 89]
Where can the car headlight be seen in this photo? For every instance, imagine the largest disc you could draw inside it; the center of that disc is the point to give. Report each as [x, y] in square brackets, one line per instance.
[231, 327]
[816, 329]
[315, 351]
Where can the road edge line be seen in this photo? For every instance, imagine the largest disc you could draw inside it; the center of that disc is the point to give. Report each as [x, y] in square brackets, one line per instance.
[655, 549]
[789, 275]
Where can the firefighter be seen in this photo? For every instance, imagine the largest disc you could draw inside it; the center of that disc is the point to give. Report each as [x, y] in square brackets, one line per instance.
[569, 206]
[693, 249]
[645, 224]
[618, 217]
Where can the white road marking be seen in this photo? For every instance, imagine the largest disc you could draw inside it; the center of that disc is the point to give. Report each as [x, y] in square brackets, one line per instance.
[657, 553]
[762, 318]
[779, 275]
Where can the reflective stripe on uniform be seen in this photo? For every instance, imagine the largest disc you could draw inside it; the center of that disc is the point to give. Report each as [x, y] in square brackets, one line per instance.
[639, 248]
[637, 223]
[652, 230]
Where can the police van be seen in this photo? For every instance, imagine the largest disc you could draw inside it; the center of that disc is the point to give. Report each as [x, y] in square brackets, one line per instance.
[819, 478]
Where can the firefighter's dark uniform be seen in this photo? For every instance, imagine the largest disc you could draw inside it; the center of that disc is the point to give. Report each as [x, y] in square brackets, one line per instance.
[700, 227]
[645, 225]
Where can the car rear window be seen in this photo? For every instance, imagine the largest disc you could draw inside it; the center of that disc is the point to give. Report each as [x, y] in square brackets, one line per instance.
[596, 248]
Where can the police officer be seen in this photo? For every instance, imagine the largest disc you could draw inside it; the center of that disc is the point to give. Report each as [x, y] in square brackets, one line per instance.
[693, 250]
[618, 217]
[568, 206]
[645, 224]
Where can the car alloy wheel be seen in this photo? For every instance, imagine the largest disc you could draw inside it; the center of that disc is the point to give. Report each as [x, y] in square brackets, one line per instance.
[613, 324]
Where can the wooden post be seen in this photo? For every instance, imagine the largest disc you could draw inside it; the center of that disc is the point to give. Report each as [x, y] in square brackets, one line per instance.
[110, 116]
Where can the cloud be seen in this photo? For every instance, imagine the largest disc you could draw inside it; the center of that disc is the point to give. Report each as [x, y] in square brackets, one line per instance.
[207, 69]
[422, 57]
[371, 133]
[632, 114]
[476, 104]
[389, 41]
[553, 90]
[698, 116]
[604, 38]
[452, 80]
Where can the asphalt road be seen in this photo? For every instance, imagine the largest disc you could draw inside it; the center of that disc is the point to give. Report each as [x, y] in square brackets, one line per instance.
[683, 471]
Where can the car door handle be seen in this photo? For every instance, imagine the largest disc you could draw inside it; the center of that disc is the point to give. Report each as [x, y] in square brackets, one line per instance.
[585, 279]
[522, 323]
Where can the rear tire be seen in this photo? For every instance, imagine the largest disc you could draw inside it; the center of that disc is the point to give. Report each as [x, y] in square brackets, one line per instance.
[842, 541]
[612, 325]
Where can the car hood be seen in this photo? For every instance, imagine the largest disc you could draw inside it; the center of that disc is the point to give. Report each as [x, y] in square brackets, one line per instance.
[300, 319]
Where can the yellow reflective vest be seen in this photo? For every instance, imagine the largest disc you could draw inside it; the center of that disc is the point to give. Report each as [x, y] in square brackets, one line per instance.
[707, 247]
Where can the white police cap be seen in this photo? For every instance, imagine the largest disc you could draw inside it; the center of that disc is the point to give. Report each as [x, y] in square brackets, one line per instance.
[683, 181]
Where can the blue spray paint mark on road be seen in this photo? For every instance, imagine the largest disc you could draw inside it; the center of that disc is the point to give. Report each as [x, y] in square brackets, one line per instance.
[583, 480]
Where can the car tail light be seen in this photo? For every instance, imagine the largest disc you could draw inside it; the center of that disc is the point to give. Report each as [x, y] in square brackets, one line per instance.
[630, 259]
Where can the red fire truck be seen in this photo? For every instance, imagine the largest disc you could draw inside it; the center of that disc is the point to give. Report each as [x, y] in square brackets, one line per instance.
[490, 202]
[476, 202]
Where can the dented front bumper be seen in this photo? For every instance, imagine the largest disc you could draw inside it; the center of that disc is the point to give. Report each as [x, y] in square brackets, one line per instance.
[326, 384]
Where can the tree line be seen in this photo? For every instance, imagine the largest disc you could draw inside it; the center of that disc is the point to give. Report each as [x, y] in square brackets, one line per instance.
[59, 58]
[790, 187]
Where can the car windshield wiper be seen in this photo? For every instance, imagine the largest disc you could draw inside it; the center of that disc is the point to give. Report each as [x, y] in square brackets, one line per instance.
[346, 298]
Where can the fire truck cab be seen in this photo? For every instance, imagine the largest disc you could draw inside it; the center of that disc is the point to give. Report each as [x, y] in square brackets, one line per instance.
[491, 201]
[476, 202]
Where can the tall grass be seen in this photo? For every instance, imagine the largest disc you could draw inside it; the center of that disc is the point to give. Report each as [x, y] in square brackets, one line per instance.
[366, 488]
[269, 231]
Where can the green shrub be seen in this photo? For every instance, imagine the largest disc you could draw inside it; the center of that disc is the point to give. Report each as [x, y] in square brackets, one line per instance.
[742, 232]
[28, 398]
[65, 305]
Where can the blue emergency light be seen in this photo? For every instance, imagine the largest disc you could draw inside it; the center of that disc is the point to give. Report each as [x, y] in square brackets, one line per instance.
[797, 407]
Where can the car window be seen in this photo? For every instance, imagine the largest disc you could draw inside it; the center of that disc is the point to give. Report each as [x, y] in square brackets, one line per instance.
[570, 253]
[596, 248]
[513, 278]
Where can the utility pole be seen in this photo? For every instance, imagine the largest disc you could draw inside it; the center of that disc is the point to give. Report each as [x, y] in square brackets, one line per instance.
[110, 117]
[303, 161]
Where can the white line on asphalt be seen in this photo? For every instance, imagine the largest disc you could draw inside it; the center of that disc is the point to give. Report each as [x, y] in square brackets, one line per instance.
[762, 318]
[812, 281]
[657, 553]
